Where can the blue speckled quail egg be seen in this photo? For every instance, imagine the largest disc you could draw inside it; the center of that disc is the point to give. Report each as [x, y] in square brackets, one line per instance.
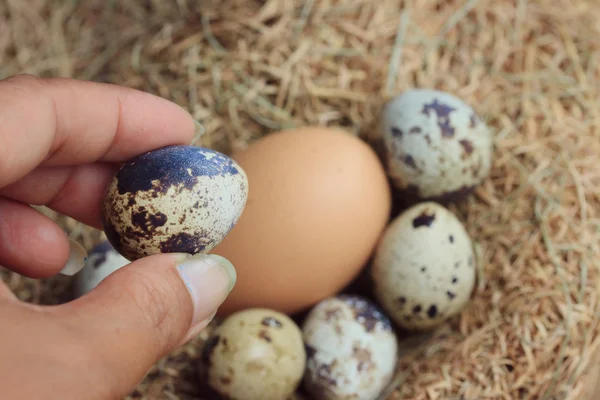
[436, 147]
[102, 261]
[351, 349]
[254, 354]
[424, 267]
[177, 199]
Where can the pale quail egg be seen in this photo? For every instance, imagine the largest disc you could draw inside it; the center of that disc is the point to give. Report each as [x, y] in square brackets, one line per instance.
[424, 267]
[102, 261]
[177, 199]
[351, 349]
[436, 147]
[255, 354]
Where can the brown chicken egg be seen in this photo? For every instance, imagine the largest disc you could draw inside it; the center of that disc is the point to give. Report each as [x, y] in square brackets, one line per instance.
[317, 205]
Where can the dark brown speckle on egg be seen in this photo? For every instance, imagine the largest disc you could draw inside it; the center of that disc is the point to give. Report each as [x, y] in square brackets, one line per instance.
[324, 374]
[432, 312]
[170, 166]
[264, 335]
[364, 358]
[412, 195]
[467, 147]
[147, 222]
[396, 132]
[184, 243]
[226, 380]
[442, 112]
[410, 161]
[423, 220]
[332, 314]
[366, 313]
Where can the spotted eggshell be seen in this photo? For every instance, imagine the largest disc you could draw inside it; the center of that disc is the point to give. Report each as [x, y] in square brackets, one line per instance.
[102, 261]
[424, 267]
[351, 349]
[254, 354]
[177, 199]
[435, 145]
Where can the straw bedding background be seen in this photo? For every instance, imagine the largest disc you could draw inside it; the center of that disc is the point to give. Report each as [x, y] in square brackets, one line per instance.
[245, 68]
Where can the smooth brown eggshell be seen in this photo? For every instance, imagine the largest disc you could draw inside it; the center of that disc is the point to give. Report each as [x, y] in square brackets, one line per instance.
[318, 202]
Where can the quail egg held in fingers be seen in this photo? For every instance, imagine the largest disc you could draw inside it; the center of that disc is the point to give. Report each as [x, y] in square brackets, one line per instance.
[176, 199]
[436, 147]
[351, 349]
[102, 261]
[424, 267]
[255, 354]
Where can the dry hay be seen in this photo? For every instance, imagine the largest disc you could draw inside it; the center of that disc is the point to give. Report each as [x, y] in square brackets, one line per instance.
[247, 67]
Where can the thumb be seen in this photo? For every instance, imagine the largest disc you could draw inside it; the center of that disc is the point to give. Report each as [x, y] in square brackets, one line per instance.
[141, 312]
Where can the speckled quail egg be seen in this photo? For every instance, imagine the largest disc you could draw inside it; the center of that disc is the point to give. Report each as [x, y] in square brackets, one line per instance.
[424, 267]
[176, 199]
[255, 354]
[351, 349]
[436, 147]
[102, 261]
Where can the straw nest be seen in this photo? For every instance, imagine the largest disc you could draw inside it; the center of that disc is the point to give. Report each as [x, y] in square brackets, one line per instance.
[248, 67]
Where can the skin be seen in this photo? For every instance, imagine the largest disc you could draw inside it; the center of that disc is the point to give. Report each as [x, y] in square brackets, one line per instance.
[60, 143]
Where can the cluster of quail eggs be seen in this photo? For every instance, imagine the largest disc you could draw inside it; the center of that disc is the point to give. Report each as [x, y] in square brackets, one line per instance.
[436, 150]
[344, 349]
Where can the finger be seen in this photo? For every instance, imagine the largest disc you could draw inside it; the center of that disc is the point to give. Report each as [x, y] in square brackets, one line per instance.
[38, 348]
[144, 310]
[73, 191]
[81, 122]
[31, 244]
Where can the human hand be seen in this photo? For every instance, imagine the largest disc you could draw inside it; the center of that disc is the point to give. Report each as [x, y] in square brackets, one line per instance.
[60, 144]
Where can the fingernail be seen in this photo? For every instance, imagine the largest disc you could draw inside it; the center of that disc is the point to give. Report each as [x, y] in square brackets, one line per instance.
[77, 259]
[209, 278]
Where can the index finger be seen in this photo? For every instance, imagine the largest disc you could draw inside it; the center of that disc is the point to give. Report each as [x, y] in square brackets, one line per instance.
[64, 122]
